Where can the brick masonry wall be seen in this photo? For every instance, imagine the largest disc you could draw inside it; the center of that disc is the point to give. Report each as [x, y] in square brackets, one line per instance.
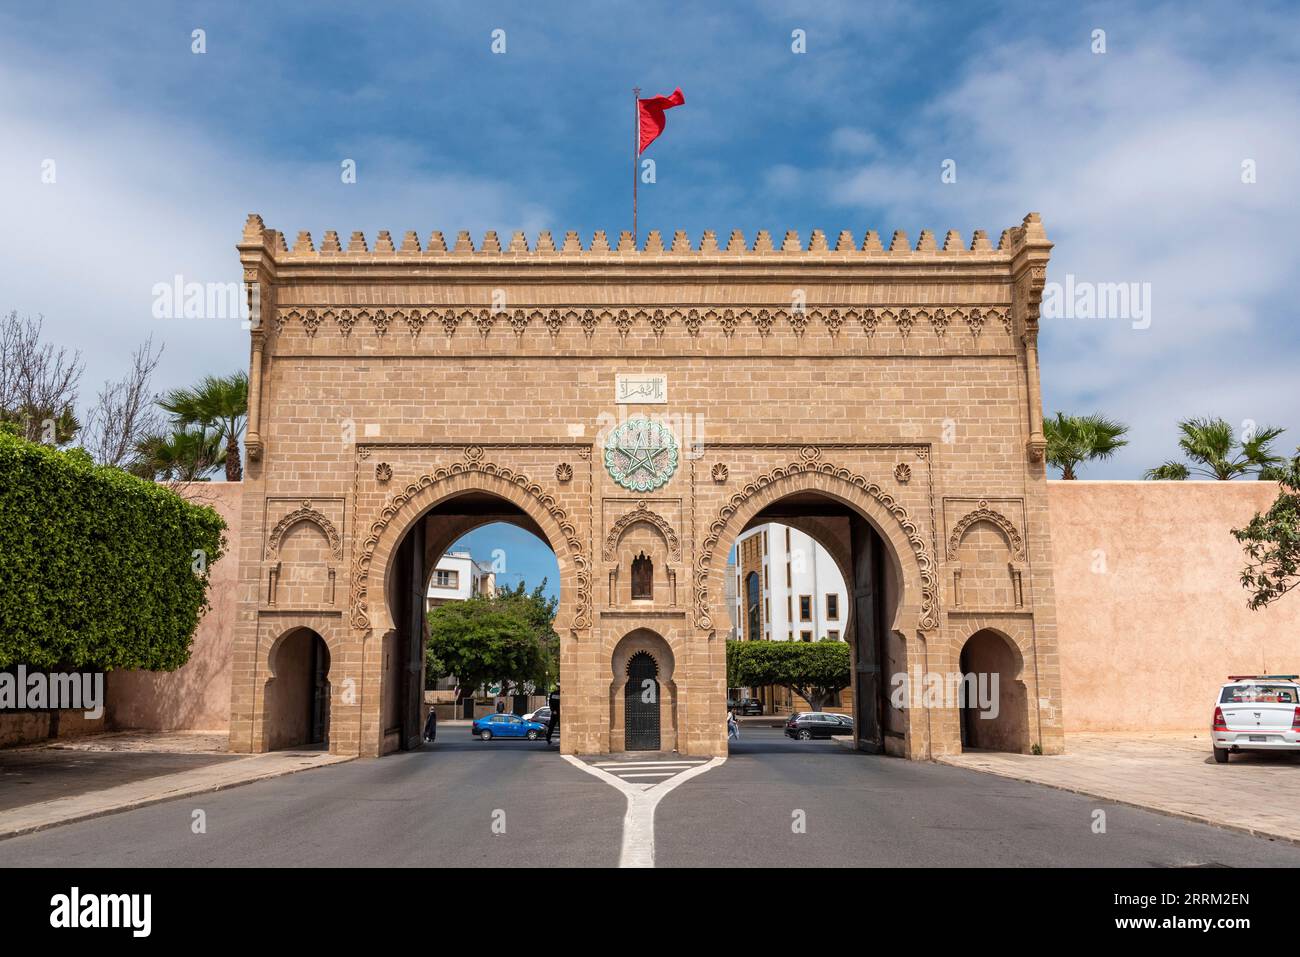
[1151, 615]
[383, 383]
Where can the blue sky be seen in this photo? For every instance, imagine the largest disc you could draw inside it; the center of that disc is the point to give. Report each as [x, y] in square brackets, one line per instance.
[515, 554]
[1133, 157]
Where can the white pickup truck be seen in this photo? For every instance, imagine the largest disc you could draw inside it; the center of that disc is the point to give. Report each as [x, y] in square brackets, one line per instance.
[1257, 713]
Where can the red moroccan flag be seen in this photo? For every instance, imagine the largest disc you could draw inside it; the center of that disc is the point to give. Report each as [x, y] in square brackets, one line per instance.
[652, 116]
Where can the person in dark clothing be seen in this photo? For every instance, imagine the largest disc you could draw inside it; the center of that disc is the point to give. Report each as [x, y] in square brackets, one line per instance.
[431, 725]
[554, 703]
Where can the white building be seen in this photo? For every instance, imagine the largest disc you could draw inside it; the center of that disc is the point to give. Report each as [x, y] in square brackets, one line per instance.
[457, 576]
[783, 586]
[787, 587]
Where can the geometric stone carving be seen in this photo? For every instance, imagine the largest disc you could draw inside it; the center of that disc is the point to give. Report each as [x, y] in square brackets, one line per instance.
[473, 463]
[928, 618]
[304, 514]
[642, 514]
[983, 513]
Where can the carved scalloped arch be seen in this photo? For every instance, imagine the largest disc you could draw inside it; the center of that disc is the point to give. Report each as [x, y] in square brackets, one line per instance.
[928, 618]
[642, 514]
[360, 614]
[305, 514]
[985, 514]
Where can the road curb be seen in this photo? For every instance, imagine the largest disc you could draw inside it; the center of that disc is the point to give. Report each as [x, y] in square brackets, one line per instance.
[70, 814]
[1166, 811]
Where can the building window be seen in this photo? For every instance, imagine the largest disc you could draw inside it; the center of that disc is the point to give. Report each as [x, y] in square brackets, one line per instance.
[787, 538]
[789, 607]
[753, 615]
[833, 635]
[766, 579]
[805, 607]
[805, 635]
[643, 577]
[788, 581]
[833, 607]
[442, 578]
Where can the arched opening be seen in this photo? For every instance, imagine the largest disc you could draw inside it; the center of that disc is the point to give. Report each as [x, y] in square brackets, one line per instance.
[472, 558]
[808, 568]
[642, 694]
[994, 713]
[641, 701]
[298, 692]
[643, 578]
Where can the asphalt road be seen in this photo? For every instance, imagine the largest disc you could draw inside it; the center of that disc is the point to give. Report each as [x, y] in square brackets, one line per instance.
[441, 806]
[885, 812]
[438, 807]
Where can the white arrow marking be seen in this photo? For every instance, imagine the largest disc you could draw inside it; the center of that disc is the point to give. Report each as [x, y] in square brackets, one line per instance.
[639, 822]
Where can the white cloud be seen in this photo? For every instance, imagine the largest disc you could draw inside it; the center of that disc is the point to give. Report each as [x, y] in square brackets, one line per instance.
[853, 142]
[1135, 163]
[140, 198]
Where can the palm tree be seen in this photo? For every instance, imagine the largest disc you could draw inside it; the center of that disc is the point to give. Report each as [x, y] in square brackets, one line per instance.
[183, 456]
[219, 404]
[1075, 439]
[1210, 444]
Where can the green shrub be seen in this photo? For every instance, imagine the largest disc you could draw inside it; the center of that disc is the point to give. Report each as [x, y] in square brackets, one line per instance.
[98, 569]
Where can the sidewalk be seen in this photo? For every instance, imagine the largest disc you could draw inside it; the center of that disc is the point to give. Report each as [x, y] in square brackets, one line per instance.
[80, 778]
[1172, 772]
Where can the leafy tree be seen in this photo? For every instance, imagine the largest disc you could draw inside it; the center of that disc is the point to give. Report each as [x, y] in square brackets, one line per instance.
[180, 457]
[1272, 542]
[814, 670]
[483, 640]
[539, 611]
[1075, 439]
[1210, 444]
[219, 404]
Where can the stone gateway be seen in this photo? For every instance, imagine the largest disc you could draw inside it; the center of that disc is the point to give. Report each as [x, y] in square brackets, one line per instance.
[638, 409]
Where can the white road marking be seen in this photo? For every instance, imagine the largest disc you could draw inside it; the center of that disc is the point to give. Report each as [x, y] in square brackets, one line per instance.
[642, 798]
[649, 774]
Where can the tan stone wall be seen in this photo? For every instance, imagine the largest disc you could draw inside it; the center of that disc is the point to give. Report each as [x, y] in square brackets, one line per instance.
[1144, 643]
[383, 384]
[1153, 617]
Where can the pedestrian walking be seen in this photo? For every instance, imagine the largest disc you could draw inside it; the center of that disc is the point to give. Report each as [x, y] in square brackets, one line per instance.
[733, 726]
[431, 724]
[554, 703]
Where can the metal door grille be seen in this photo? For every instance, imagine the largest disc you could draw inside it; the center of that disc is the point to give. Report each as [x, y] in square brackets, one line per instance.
[641, 704]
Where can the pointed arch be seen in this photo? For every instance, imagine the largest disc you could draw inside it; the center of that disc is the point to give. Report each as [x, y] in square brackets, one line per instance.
[472, 474]
[912, 559]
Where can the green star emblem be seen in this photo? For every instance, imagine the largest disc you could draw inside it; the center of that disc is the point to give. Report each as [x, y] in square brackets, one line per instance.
[641, 454]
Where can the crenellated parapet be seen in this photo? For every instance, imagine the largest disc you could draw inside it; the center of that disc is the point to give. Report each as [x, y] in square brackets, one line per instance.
[846, 245]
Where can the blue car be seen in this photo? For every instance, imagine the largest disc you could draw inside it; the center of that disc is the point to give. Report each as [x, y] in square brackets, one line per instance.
[506, 726]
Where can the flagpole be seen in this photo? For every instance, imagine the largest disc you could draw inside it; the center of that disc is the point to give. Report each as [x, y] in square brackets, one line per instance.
[636, 155]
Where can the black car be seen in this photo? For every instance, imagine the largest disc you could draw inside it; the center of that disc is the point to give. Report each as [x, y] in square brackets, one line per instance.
[747, 706]
[817, 724]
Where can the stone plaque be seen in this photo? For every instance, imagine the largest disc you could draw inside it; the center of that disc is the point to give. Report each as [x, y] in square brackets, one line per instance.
[650, 388]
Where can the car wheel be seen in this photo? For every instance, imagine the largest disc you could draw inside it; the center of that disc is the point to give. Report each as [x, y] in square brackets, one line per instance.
[533, 735]
[805, 735]
[1220, 755]
[485, 735]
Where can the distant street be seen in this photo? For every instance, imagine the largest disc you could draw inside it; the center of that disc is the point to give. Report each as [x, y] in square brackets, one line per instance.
[504, 803]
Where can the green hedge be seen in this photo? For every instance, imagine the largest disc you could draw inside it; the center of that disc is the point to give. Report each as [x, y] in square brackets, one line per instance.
[97, 566]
